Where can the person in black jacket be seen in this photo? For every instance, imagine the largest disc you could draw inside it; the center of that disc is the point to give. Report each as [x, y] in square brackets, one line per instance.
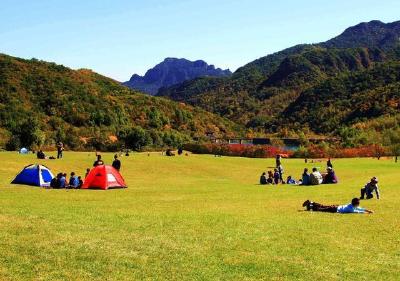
[98, 161]
[116, 163]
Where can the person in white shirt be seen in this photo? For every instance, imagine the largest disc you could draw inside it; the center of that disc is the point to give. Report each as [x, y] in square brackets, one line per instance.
[316, 177]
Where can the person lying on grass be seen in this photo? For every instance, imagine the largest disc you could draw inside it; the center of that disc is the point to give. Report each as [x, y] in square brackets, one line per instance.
[353, 207]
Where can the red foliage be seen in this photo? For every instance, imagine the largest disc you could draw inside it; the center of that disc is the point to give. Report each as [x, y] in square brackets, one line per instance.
[252, 151]
[315, 151]
[265, 151]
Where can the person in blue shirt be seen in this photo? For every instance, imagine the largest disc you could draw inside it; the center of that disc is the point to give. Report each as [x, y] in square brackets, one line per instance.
[305, 177]
[290, 180]
[73, 181]
[353, 207]
[63, 181]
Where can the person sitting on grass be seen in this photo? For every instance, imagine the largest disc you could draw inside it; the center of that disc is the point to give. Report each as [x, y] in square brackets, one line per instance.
[98, 162]
[305, 177]
[54, 182]
[290, 180]
[315, 177]
[330, 177]
[73, 181]
[40, 155]
[64, 180]
[370, 188]
[169, 152]
[80, 182]
[270, 179]
[353, 207]
[263, 179]
[277, 176]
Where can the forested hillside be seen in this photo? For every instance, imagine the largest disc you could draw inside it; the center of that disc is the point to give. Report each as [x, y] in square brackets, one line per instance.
[263, 95]
[346, 100]
[41, 103]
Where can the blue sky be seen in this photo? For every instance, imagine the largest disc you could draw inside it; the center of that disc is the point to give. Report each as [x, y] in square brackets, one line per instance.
[119, 37]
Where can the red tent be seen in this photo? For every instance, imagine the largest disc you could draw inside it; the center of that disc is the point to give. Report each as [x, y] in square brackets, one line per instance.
[104, 177]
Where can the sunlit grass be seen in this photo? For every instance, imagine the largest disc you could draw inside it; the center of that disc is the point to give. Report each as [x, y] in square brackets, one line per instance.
[197, 218]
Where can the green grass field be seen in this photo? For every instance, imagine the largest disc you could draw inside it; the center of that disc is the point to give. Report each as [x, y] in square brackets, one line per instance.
[197, 218]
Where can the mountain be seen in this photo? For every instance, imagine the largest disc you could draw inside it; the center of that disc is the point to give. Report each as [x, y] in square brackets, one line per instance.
[173, 71]
[373, 34]
[259, 94]
[41, 103]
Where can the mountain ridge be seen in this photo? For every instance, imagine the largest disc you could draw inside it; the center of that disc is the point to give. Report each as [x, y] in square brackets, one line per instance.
[173, 71]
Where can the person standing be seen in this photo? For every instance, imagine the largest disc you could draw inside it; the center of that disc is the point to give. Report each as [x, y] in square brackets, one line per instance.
[329, 164]
[87, 172]
[280, 171]
[60, 149]
[278, 160]
[98, 162]
[116, 163]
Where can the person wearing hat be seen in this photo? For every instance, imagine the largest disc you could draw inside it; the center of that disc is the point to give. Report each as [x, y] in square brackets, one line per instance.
[370, 188]
[330, 177]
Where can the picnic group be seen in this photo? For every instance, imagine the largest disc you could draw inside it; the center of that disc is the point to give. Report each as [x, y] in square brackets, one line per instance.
[316, 178]
[76, 182]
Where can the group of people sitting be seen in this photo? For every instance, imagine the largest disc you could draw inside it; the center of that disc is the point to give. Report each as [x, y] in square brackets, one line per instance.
[60, 181]
[313, 178]
[316, 178]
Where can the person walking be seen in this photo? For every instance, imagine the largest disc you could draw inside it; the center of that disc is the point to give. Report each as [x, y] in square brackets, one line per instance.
[60, 149]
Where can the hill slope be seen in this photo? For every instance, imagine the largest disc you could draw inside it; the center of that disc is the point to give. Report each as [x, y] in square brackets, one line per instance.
[41, 103]
[348, 99]
[258, 93]
[173, 71]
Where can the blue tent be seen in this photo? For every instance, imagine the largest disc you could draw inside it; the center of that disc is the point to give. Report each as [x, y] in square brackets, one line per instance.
[24, 151]
[37, 175]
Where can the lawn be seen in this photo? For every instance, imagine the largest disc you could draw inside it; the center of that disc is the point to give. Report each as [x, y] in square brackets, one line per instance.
[197, 217]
